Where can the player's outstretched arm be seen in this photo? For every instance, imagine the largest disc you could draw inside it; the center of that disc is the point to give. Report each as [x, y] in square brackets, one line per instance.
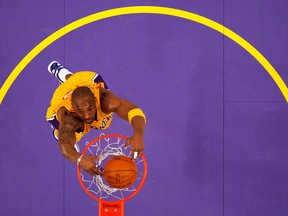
[67, 139]
[128, 111]
[66, 136]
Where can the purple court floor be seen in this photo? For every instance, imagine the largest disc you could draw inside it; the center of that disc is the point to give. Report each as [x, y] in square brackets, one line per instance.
[217, 113]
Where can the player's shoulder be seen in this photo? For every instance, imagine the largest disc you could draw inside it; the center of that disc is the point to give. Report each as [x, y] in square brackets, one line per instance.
[63, 112]
[68, 118]
[109, 101]
[107, 95]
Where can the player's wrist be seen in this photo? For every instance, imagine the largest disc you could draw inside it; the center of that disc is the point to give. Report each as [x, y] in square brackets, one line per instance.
[136, 112]
[138, 134]
[79, 159]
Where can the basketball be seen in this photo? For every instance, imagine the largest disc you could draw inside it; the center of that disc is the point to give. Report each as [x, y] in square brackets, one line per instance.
[120, 172]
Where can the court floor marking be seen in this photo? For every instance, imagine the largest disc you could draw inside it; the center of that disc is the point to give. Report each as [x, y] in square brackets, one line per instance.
[143, 10]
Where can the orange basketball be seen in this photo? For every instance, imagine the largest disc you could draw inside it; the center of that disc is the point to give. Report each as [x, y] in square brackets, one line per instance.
[120, 172]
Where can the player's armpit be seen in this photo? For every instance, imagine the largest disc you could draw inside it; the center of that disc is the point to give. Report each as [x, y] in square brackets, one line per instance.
[66, 119]
[112, 103]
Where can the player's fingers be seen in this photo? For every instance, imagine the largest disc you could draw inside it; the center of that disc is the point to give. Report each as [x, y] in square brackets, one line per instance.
[96, 171]
[127, 143]
[100, 169]
[93, 157]
[91, 172]
[96, 157]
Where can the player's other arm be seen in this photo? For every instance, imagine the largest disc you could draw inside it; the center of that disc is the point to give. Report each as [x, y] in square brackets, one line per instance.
[67, 139]
[111, 103]
[66, 136]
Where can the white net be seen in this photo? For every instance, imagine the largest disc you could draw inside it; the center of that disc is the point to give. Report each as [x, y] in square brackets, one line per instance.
[108, 146]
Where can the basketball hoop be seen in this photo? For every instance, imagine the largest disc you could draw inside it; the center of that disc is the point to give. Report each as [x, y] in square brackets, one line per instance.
[111, 200]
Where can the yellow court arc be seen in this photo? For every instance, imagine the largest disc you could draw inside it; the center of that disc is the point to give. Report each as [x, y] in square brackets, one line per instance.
[141, 10]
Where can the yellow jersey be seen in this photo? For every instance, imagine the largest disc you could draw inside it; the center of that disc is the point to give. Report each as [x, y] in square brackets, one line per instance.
[62, 98]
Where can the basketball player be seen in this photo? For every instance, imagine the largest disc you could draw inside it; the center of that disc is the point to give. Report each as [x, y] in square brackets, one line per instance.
[81, 102]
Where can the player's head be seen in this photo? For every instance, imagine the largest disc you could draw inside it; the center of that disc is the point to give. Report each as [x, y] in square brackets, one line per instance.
[83, 102]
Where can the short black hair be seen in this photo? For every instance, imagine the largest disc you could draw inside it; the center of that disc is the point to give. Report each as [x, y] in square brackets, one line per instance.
[81, 92]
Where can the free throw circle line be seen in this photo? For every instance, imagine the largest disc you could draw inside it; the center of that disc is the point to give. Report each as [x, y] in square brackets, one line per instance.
[141, 10]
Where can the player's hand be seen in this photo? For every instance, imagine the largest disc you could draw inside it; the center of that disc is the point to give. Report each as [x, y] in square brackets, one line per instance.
[87, 163]
[137, 145]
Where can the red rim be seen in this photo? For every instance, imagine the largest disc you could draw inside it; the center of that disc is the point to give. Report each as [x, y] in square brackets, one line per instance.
[132, 194]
